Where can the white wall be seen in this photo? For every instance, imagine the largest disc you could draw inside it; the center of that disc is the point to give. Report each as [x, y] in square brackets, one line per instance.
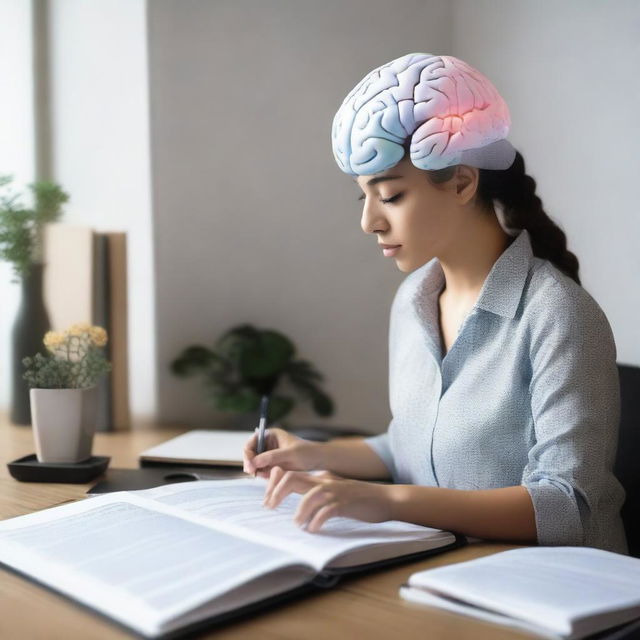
[17, 149]
[100, 151]
[569, 73]
[254, 221]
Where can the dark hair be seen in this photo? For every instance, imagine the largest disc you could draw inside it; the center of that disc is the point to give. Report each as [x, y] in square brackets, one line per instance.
[516, 191]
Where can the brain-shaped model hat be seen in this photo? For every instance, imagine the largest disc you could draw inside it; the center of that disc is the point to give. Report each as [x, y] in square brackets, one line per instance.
[449, 111]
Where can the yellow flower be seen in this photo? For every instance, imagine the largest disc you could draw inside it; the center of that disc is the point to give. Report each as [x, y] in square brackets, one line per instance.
[53, 339]
[78, 329]
[98, 336]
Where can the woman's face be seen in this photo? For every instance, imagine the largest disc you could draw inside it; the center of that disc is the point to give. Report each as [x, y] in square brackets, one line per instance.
[403, 208]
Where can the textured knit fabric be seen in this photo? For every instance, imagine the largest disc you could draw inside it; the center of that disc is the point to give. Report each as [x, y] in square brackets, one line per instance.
[528, 394]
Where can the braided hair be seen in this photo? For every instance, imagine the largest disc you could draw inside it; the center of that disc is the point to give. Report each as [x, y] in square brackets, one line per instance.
[516, 191]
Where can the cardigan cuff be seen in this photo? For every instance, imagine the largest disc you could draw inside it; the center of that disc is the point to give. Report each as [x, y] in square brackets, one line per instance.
[557, 515]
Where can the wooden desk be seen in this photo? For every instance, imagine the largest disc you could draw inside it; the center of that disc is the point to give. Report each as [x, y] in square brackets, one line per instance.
[368, 606]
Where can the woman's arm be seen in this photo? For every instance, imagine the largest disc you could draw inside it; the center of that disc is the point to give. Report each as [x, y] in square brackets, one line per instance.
[504, 514]
[352, 457]
[499, 514]
[346, 456]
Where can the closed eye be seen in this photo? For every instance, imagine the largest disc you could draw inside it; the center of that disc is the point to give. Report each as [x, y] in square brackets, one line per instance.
[387, 201]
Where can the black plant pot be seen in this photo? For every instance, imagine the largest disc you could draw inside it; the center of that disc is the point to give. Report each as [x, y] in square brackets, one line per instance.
[31, 323]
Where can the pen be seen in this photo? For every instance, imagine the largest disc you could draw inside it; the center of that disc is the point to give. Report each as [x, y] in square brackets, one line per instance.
[264, 405]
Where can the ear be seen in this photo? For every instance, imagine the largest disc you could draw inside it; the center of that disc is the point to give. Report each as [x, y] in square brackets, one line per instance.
[466, 182]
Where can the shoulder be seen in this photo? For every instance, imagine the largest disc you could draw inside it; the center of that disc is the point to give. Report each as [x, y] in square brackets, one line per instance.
[552, 293]
[554, 304]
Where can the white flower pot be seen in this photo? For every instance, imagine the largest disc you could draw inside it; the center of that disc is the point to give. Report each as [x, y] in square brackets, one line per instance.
[64, 421]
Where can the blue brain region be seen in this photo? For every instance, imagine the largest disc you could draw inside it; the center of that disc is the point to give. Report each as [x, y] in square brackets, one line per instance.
[440, 103]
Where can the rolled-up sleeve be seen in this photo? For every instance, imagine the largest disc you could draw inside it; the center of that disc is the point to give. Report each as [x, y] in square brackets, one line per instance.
[575, 405]
[380, 444]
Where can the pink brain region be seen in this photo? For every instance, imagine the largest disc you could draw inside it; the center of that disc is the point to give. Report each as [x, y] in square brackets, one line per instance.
[442, 104]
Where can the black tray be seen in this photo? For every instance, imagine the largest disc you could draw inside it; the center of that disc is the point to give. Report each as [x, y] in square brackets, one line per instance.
[28, 469]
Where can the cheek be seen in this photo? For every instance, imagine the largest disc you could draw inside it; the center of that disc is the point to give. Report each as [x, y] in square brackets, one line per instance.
[420, 223]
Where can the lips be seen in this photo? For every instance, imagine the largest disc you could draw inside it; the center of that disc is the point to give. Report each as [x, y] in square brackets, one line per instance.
[389, 246]
[390, 250]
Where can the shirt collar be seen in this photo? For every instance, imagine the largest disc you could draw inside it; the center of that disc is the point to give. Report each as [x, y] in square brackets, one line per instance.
[501, 290]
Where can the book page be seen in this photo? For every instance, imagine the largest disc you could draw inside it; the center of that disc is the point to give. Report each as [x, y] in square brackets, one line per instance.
[137, 560]
[569, 590]
[239, 502]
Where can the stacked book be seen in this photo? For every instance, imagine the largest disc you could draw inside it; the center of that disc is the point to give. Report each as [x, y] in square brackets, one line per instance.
[85, 280]
[559, 593]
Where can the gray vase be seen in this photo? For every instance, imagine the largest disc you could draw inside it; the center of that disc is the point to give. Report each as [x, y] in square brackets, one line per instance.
[31, 323]
[64, 422]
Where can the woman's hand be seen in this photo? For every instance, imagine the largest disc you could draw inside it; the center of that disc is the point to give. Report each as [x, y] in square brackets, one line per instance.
[283, 449]
[328, 495]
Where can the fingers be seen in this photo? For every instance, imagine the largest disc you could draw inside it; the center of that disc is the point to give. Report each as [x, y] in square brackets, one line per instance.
[269, 459]
[316, 507]
[314, 500]
[274, 477]
[271, 438]
[266, 459]
[325, 512]
[248, 453]
[284, 482]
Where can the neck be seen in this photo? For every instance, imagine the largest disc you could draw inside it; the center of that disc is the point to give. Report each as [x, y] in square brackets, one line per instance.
[467, 265]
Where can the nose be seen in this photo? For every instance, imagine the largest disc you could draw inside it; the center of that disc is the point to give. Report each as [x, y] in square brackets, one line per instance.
[373, 220]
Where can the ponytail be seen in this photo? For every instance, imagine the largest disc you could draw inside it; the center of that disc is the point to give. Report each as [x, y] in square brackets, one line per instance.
[516, 192]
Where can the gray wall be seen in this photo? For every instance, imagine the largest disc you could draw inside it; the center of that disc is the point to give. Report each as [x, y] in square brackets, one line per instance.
[254, 222]
[569, 73]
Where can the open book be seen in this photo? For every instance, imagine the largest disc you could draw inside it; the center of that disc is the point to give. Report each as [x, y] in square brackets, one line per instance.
[557, 592]
[176, 557]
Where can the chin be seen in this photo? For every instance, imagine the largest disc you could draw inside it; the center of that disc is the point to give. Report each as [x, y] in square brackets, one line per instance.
[403, 267]
[408, 267]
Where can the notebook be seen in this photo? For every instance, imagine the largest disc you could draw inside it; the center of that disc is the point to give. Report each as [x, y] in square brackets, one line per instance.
[562, 593]
[199, 446]
[181, 557]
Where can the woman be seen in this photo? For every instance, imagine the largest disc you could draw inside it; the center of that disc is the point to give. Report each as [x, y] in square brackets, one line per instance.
[503, 381]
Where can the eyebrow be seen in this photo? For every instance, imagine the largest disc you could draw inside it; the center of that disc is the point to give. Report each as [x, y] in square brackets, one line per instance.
[373, 181]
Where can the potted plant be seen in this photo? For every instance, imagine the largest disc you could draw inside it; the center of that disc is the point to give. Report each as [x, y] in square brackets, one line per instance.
[21, 244]
[63, 392]
[247, 363]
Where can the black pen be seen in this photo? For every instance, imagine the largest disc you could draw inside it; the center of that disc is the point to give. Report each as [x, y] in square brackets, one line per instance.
[264, 406]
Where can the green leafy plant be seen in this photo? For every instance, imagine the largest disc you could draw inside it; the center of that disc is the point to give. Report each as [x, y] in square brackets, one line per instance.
[247, 363]
[21, 227]
[75, 359]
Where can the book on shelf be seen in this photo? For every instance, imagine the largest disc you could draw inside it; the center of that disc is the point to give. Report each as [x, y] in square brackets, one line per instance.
[185, 556]
[560, 593]
[85, 280]
[118, 317]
